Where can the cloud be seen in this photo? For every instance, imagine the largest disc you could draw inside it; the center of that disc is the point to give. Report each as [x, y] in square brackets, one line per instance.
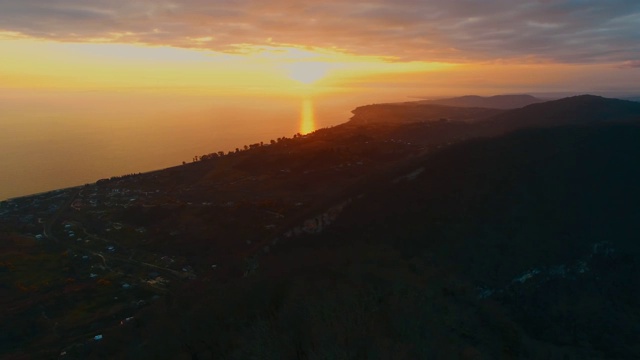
[574, 31]
[630, 64]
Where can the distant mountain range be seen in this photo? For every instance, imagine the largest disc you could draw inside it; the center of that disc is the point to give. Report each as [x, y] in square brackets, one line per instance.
[447, 123]
[465, 108]
[582, 109]
[411, 112]
[492, 102]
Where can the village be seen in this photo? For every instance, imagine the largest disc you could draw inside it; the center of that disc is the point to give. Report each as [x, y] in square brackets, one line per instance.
[113, 247]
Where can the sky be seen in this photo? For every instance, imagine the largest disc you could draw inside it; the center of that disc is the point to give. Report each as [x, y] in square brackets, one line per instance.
[420, 47]
[92, 88]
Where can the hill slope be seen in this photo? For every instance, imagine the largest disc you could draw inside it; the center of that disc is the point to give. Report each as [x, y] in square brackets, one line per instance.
[583, 109]
[492, 102]
[396, 239]
[540, 223]
[427, 123]
[401, 113]
[516, 247]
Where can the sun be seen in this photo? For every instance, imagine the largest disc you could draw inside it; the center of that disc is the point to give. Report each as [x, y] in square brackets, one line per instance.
[307, 72]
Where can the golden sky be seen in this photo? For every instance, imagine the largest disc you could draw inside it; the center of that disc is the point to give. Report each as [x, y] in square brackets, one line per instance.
[423, 48]
[92, 88]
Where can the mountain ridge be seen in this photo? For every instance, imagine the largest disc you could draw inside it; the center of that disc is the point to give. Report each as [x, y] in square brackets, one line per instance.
[494, 102]
[580, 109]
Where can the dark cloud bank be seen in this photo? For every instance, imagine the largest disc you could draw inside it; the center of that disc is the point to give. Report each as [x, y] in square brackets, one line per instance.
[574, 31]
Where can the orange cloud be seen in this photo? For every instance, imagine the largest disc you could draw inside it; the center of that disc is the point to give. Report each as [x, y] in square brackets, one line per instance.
[425, 30]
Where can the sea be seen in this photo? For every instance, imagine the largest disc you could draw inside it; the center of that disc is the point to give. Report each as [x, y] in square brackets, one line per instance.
[52, 139]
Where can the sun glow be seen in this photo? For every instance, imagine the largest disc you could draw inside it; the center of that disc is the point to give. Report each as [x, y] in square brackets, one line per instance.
[308, 72]
[36, 64]
[307, 118]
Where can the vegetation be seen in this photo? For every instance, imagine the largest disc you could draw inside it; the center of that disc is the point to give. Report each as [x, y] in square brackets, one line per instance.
[370, 240]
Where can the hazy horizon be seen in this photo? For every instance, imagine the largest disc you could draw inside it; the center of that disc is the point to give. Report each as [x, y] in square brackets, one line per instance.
[55, 140]
[63, 139]
[81, 81]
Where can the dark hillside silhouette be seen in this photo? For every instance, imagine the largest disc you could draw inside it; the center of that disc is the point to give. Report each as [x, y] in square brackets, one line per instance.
[493, 102]
[399, 113]
[582, 109]
[540, 222]
[410, 232]
[517, 247]
[437, 124]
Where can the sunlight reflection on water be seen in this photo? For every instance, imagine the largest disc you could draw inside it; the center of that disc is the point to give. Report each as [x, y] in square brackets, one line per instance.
[307, 119]
[57, 139]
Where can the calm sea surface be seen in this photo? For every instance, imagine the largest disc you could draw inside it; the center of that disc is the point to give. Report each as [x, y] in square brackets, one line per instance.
[52, 140]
